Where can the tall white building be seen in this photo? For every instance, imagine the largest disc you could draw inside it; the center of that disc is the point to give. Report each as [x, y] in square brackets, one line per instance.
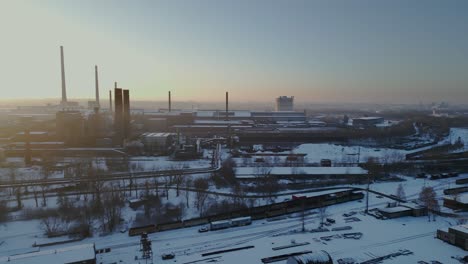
[285, 103]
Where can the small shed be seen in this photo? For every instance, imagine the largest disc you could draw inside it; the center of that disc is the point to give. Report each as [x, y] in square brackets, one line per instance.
[319, 257]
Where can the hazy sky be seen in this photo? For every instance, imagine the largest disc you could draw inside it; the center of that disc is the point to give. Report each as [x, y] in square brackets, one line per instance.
[328, 51]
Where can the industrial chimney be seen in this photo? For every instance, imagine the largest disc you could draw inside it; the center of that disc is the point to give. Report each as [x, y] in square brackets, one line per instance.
[64, 89]
[126, 114]
[110, 101]
[97, 85]
[169, 101]
[227, 106]
[118, 114]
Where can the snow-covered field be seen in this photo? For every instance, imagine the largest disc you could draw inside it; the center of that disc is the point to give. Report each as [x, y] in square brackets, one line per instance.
[354, 154]
[380, 237]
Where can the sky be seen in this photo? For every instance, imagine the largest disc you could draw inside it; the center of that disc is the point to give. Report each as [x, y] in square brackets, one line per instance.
[318, 51]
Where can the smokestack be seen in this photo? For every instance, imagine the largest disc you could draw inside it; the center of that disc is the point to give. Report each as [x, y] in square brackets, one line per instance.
[118, 114]
[64, 89]
[115, 85]
[110, 101]
[97, 85]
[227, 106]
[126, 113]
[169, 101]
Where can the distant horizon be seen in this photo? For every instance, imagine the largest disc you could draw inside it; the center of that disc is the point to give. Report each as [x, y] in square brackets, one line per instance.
[319, 51]
[105, 102]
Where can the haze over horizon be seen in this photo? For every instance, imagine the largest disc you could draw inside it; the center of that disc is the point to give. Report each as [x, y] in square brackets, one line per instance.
[318, 51]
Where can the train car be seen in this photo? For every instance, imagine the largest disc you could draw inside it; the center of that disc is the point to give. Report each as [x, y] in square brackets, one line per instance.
[241, 221]
[196, 222]
[171, 226]
[136, 231]
[217, 225]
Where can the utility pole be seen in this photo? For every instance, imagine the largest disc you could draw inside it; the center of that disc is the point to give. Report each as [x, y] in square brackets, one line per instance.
[367, 195]
[358, 155]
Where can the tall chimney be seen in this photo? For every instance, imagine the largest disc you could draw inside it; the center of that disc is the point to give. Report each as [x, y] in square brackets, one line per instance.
[110, 101]
[64, 89]
[118, 114]
[126, 113]
[97, 85]
[115, 85]
[169, 101]
[227, 106]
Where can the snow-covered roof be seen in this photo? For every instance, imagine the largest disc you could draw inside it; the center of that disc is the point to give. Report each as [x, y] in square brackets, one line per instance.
[158, 135]
[368, 118]
[395, 209]
[245, 172]
[461, 198]
[412, 205]
[71, 254]
[460, 228]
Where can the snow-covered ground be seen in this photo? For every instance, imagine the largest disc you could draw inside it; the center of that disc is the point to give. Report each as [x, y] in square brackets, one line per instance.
[353, 154]
[380, 237]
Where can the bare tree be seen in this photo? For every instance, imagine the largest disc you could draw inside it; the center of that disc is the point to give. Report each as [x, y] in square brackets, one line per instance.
[322, 214]
[12, 175]
[188, 185]
[400, 193]
[3, 211]
[52, 225]
[167, 183]
[112, 203]
[201, 186]
[18, 198]
[178, 180]
[427, 197]
[45, 173]
[268, 183]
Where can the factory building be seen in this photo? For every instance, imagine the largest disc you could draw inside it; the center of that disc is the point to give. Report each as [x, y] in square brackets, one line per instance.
[456, 235]
[367, 121]
[157, 142]
[70, 127]
[285, 103]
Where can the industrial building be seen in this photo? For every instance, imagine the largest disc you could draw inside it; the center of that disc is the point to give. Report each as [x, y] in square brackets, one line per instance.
[322, 173]
[457, 202]
[285, 103]
[157, 142]
[79, 254]
[70, 127]
[456, 235]
[214, 122]
[369, 121]
[394, 210]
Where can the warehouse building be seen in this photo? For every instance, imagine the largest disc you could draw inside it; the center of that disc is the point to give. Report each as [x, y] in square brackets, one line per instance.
[367, 121]
[157, 142]
[319, 173]
[457, 202]
[456, 235]
[394, 210]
